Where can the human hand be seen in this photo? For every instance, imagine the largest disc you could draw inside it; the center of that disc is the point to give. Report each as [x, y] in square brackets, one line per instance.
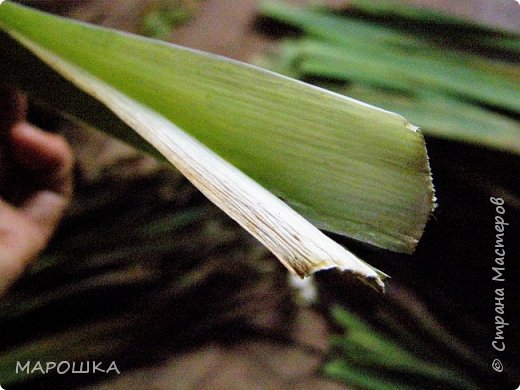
[37, 191]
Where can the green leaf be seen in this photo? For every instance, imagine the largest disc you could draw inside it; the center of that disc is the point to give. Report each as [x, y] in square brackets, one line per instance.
[431, 21]
[363, 348]
[407, 72]
[361, 378]
[349, 167]
[347, 49]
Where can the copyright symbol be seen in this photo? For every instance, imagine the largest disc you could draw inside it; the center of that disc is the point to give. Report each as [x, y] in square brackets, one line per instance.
[497, 365]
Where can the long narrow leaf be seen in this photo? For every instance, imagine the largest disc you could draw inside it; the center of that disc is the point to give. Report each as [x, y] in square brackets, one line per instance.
[349, 167]
[431, 21]
[300, 246]
[352, 49]
[362, 346]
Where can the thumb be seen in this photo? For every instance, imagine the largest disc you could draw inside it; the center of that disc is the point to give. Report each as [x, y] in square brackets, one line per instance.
[20, 243]
[49, 159]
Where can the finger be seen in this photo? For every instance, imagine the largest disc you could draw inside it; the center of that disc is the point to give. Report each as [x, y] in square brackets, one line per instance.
[20, 242]
[46, 155]
[50, 160]
[46, 209]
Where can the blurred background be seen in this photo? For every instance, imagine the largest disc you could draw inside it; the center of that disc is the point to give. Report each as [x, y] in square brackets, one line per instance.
[144, 271]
